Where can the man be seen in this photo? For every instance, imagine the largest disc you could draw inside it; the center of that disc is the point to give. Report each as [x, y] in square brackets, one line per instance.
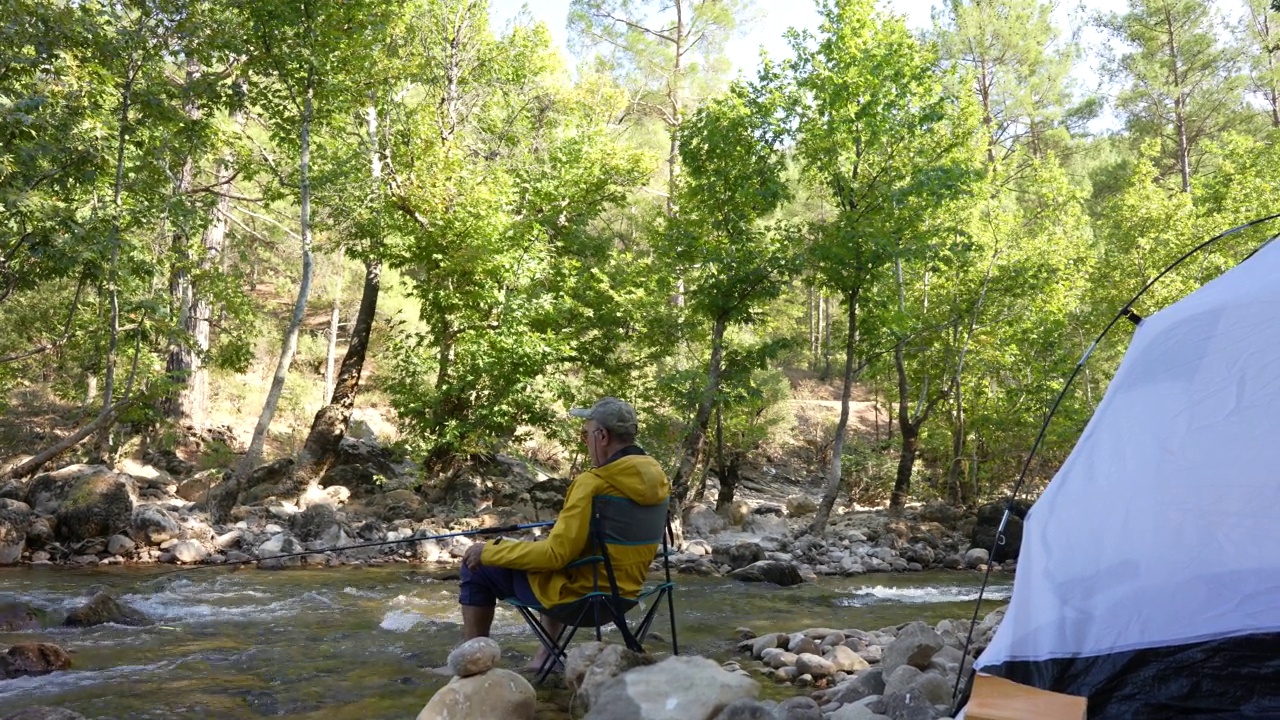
[534, 571]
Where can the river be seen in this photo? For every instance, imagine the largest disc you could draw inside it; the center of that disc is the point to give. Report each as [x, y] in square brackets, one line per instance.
[356, 643]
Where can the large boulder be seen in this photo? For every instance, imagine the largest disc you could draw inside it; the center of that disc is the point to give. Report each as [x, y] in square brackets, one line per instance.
[683, 687]
[152, 525]
[19, 617]
[33, 659]
[915, 646]
[701, 521]
[312, 523]
[984, 529]
[13, 532]
[494, 694]
[784, 574]
[104, 608]
[801, 505]
[196, 488]
[46, 491]
[737, 554]
[590, 665]
[96, 505]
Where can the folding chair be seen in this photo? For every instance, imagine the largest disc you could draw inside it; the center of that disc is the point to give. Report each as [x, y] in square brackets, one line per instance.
[617, 521]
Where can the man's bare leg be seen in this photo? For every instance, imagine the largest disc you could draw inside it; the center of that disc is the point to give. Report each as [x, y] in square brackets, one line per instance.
[553, 629]
[476, 621]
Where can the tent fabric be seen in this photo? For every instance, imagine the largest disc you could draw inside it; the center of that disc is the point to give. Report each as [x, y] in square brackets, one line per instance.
[1160, 531]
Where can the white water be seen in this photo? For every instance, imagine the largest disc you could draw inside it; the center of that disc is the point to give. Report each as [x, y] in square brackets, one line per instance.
[863, 596]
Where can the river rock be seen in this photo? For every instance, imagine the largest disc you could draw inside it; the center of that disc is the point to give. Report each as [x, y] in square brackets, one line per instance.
[43, 713]
[934, 688]
[46, 491]
[474, 656]
[13, 534]
[96, 505]
[901, 679]
[120, 545]
[857, 712]
[312, 523]
[865, 684]
[770, 571]
[801, 505]
[188, 552]
[737, 554]
[746, 710]
[494, 694]
[779, 658]
[702, 521]
[153, 525]
[767, 525]
[590, 665]
[197, 487]
[739, 511]
[798, 708]
[33, 659]
[104, 608]
[911, 705]
[810, 664]
[915, 645]
[845, 659]
[682, 687]
[18, 617]
[765, 642]
[975, 557]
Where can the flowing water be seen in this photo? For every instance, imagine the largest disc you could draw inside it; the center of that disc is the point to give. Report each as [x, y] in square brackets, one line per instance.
[357, 643]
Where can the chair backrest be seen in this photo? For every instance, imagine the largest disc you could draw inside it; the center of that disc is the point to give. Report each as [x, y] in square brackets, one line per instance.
[619, 520]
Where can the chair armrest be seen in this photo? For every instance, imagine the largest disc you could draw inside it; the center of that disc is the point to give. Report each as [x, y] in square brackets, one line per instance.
[590, 560]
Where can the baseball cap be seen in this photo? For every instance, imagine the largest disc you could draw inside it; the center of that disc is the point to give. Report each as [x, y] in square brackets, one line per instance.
[616, 416]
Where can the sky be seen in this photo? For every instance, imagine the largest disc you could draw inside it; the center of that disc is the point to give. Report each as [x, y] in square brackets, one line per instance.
[778, 15]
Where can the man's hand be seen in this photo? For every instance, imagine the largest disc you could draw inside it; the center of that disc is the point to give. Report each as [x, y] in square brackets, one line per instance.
[471, 558]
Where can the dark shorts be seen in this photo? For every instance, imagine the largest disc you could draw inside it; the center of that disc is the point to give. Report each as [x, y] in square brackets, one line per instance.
[486, 586]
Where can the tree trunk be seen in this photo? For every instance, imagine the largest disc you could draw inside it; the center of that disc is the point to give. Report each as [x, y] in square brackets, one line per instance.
[956, 470]
[188, 396]
[330, 424]
[332, 349]
[290, 344]
[696, 439]
[906, 462]
[824, 311]
[321, 447]
[728, 483]
[837, 446]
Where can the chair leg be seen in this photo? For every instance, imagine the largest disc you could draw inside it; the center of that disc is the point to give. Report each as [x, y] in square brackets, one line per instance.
[671, 611]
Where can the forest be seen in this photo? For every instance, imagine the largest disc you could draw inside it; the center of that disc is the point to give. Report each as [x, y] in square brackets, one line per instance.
[262, 215]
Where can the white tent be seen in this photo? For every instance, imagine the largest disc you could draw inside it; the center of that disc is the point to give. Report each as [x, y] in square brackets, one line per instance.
[1149, 575]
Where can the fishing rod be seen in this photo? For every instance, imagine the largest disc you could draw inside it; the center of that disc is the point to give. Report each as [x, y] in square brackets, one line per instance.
[1126, 313]
[414, 538]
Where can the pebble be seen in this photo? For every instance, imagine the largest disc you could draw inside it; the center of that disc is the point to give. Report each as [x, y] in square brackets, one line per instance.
[474, 656]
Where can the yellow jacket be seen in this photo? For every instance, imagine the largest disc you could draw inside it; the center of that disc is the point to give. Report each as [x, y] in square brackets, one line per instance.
[635, 476]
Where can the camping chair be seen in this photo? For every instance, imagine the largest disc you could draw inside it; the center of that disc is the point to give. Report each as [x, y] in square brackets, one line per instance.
[615, 521]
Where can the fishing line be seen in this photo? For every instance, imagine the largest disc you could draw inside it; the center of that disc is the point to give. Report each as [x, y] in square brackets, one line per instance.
[358, 546]
[1125, 312]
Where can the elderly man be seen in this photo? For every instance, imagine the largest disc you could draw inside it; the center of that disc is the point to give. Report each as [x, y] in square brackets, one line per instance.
[534, 572]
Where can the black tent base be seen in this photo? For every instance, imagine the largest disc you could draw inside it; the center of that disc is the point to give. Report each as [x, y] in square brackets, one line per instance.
[1236, 677]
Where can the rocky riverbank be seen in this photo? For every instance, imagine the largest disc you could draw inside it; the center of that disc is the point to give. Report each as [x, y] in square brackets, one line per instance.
[906, 672]
[163, 511]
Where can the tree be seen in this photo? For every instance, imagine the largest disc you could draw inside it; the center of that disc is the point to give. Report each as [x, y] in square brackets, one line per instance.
[498, 172]
[1019, 67]
[1262, 43]
[731, 151]
[307, 54]
[878, 128]
[656, 48]
[1183, 84]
